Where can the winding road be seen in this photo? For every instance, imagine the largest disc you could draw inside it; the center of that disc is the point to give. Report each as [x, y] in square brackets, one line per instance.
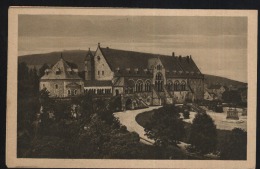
[127, 118]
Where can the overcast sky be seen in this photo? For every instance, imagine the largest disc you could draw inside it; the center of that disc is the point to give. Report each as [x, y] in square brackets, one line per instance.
[217, 44]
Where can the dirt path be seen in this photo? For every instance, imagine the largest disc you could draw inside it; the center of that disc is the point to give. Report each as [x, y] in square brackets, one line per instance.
[127, 118]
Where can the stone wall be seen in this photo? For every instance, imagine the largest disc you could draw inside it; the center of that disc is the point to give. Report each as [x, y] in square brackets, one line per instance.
[57, 88]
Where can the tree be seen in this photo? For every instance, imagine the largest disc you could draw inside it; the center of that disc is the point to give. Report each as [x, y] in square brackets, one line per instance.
[23, 71]
[86, 105]
[165, 126]
[42, 69]
[203, 134]
[185, 111]
[231, 97]
[34, 80]
[235, 145]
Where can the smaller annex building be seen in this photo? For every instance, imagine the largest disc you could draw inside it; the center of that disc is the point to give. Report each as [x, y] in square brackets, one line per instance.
[62, 80]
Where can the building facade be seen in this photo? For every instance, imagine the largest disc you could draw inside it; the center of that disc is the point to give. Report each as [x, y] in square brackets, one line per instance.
[139, 78]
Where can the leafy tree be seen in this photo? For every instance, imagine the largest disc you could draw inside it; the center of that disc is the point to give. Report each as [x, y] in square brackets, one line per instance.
[23, 71]
[235, 145]
[231, 97]
[46, 107]
[203, 134]
[34, 80]
[186, 112]
[165, 126]
[86, 105]
[42, 69]
[101, 140]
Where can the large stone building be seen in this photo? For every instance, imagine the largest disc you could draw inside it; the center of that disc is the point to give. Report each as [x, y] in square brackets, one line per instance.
[152, 79]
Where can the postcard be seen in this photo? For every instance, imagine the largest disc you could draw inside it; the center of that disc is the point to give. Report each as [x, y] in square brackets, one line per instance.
[131, 88]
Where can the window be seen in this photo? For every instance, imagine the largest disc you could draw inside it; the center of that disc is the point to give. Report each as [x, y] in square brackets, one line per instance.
[68, 92]
[103, 72]
[170, 86]
[139, 86]
[183, 85]
[176, 85]
[159, 82]
[98, 73]
[98, 58]
[147, 86]
[117, 92]
[159, 67]
[158, 76]
[75, 91]
[56, 86]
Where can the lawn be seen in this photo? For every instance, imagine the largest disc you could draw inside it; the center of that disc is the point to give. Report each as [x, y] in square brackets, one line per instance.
[143, 118]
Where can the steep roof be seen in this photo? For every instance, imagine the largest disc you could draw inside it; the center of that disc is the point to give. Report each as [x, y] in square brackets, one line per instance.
[61, 70]
[129, 61]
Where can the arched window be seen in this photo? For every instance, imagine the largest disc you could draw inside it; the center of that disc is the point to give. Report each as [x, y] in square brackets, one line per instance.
[75, 91]
[159, 82]
[69, 92]
[176, 85]
[183, 85]
[147, 86]
[159, 67]
[158, 76]
[56, 86]
[170, 85]
[139, 86]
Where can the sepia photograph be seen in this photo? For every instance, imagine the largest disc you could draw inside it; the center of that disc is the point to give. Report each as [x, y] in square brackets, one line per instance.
[105, 86]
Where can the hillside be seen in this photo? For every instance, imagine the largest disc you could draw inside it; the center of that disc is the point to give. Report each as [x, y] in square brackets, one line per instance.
[77, 57]
[211, 79]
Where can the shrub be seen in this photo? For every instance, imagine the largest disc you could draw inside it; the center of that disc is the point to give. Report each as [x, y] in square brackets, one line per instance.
[186, 114]
[235, 145]
[203, 134]
[165, 126]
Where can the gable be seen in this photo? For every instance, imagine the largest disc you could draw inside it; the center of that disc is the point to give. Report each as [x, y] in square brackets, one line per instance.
[102, 68]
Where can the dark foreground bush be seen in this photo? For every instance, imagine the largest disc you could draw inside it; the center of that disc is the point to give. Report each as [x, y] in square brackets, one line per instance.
[235, 145]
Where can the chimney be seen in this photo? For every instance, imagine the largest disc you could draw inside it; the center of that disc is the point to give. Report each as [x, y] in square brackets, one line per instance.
[173, 54]
[98, 44]
[188, 59]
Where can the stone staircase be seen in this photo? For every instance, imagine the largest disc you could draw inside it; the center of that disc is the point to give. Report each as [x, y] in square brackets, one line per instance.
[197, 108]
[140, 102]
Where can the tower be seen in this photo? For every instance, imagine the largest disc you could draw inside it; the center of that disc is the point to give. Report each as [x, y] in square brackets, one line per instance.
[89, 66]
